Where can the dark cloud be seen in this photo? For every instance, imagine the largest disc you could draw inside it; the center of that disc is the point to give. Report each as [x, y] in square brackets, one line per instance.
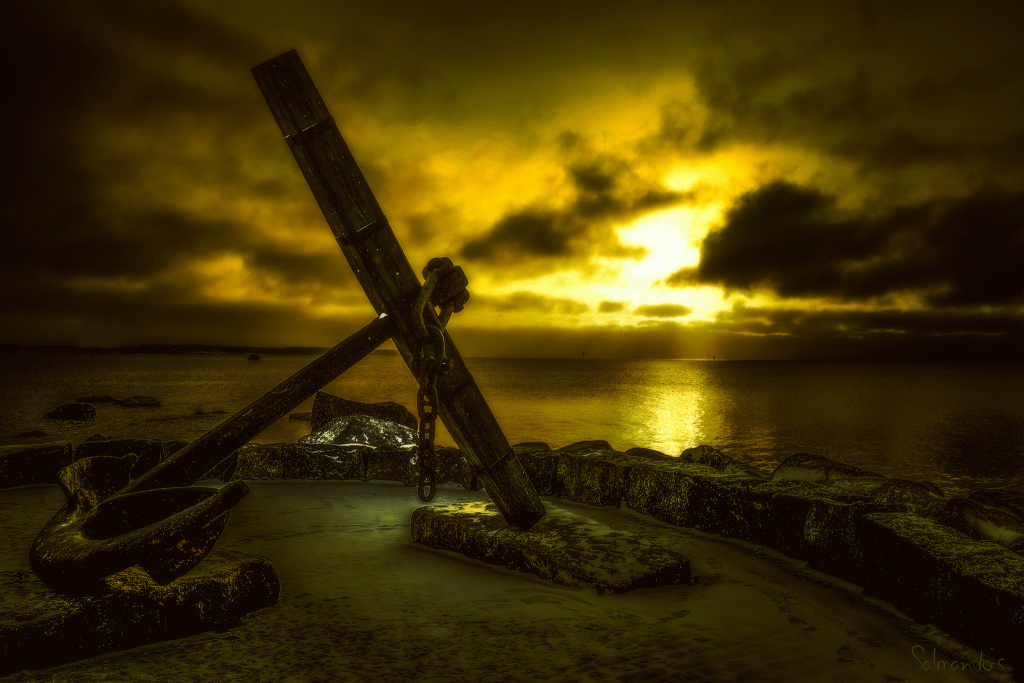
[300, 268]
[611, 306]
[606, 189]
[895, 88]
[663, 311]
[795, 242]
[877, 323]
[529, 232]
[531, 301]
[80, 77]
[920, 335]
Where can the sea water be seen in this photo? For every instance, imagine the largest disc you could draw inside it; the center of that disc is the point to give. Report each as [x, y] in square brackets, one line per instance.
[961, 426]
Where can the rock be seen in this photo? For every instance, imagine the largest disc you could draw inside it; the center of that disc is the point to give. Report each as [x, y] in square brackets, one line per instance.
[327, 407]
[648, 453]
[297, 461]
[453, 467]
[816, 468]
[1007, 500]
[223, 470]
[75, 412]
[690, 494]
[96, 399]
[169, 448]
[97, 437]
[22, 465]
[985, 523]
[323, 461]
[138, 402]
[973, 590]
[40, 628]
[33, 434]
[900, 495]
[148, 452]
[598, 444]
[531, 446]
[541, 467]
[301, 416]
[260, 461]
[363, 430]
[254, 356]
[818, 521]
[392, 464]
[562, 547]
[595, 476]
[719, 461]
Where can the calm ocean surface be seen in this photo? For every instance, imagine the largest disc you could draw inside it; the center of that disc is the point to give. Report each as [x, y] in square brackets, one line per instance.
[959, 426]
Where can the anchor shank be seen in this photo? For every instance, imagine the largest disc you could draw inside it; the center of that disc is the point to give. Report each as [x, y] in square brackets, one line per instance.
[190, 463]
[384, 272]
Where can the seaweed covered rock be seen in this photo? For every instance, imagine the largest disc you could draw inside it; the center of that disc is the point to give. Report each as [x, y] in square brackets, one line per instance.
[648, 453]
[327, 407]
[541, 466]
[1009, 500]
[72, 412]
[562, 547]
[138, 402]
[690, 494]
[148, 452]
[818, 521]
[972, 589]
[299, 461]
[362, 430]
[391, 464]
[719, 461]
[531, 446]
[593, 445]
[21, 465]
[595, 475]
[901, 495]
[40, 628]
[322, 461]
[985, 523]
[453, 467]
[817, 468]
[222, 470]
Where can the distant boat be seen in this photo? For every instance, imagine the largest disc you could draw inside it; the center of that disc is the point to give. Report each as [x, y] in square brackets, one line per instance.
[253, 356]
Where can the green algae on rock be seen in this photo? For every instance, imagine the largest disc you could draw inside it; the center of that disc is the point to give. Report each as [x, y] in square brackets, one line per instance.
[562, 547]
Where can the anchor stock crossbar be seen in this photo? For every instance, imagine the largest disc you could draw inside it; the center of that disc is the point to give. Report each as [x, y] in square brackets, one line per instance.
[380, 265]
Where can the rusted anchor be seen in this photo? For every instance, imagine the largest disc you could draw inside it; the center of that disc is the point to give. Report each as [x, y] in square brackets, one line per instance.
[161, 522]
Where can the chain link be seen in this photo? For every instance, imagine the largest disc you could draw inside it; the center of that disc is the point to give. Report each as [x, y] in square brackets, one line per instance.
[426, 406]
[444, 286]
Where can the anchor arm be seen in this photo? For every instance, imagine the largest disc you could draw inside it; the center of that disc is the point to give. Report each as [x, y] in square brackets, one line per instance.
[380, 265]
[159, 521]
[190, 463]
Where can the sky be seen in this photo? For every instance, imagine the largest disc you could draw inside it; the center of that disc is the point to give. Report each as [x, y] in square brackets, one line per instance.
[673, 179]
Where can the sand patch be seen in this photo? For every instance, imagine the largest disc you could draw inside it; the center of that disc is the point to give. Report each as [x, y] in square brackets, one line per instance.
[360, 601]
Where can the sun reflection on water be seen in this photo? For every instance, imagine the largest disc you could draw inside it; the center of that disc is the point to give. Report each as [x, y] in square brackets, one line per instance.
[670, 409]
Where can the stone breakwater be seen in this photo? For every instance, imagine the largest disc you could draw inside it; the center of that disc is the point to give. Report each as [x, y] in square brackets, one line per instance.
[954, 563]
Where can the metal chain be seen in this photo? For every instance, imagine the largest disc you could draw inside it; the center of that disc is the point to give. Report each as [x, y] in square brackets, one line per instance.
[426, 406]
[444, 286]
